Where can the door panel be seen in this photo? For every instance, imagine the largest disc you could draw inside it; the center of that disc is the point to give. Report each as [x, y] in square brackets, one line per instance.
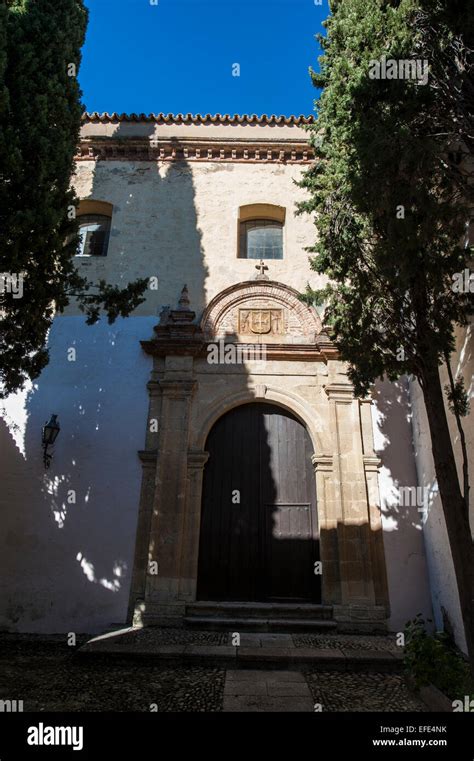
[259, 537]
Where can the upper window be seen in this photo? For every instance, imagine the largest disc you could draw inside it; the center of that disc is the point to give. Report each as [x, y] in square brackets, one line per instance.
[94, 219]
[261, 239]
[261, 231]
[94, 232]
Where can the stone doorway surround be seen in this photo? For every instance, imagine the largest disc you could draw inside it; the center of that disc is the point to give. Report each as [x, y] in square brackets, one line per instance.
[301, 373]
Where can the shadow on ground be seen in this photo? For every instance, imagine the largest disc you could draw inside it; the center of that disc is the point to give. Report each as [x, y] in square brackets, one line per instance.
[47, 676]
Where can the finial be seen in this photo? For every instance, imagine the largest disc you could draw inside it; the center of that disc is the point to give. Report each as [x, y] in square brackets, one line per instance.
[184, 302]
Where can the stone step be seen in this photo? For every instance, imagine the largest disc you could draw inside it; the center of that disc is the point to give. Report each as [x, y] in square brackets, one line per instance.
[230, 623]
[246, 610]
[129, 645]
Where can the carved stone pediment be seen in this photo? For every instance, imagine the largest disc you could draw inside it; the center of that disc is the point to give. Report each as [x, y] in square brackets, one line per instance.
[260, 311]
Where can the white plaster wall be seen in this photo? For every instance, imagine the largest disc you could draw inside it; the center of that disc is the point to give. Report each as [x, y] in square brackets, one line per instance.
[407, 571]
[442, 577]
[178, 222]
[65, 566]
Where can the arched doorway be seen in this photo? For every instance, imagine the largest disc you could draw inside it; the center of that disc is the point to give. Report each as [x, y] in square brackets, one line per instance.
[259, 536]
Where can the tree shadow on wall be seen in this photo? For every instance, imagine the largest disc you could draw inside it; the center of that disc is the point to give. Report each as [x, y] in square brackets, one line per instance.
[75, 524]
[403, 520]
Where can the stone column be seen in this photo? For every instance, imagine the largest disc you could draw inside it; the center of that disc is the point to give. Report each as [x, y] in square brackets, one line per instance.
[357, 586]
[147, 493]
[328, 505]
[192, 525]
[154, 413]
[371, 468]
[148, 458]
[168, 518]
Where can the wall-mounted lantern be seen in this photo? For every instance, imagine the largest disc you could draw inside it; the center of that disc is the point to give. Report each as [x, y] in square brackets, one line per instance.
[50, 433]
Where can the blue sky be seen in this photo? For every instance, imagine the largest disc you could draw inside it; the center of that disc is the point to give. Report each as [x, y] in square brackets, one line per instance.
[177, 56]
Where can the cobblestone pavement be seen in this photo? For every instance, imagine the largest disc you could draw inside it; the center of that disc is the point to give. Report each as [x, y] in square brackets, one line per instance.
[331, 691]
[155, 636]
[44, 673]
[47, 677]
[368, 691]
[382, 643]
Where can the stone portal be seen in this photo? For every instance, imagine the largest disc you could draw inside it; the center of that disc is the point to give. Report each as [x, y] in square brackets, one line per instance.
[303, 375]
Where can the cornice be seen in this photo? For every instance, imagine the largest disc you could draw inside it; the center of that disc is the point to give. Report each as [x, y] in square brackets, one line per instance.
[163, 348]
[179, 388]
[174, 149]
[197, 458]
[322, 462]
[199, 349]
[371, 463]
[340, 392]
[148, 456]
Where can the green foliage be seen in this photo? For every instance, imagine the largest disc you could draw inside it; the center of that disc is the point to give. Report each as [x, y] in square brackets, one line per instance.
[392, 192]
[389, 189]
[432, 659]
[40, 113]
[458, 398]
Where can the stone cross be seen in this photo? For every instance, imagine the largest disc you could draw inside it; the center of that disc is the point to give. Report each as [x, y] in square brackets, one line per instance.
[261, 267]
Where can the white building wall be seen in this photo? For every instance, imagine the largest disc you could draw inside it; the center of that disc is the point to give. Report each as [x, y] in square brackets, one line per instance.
[441, 569]
[67, 566]
[407, 571]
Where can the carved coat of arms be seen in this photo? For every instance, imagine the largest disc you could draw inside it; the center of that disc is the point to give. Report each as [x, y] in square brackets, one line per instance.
[260, 321]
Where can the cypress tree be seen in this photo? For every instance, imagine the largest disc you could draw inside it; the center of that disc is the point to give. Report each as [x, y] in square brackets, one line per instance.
[40, 114]
[391, 190]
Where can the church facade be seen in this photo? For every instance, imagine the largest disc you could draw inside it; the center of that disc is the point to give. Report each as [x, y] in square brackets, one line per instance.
[211, 445]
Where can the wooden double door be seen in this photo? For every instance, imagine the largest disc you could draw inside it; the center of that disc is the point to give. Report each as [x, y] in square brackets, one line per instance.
[259, 536]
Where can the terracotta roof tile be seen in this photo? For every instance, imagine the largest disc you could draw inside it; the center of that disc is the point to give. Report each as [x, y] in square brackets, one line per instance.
[104, 118]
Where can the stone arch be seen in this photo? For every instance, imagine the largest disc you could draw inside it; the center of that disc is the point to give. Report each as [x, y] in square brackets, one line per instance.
[272, 395]
[219, 318]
